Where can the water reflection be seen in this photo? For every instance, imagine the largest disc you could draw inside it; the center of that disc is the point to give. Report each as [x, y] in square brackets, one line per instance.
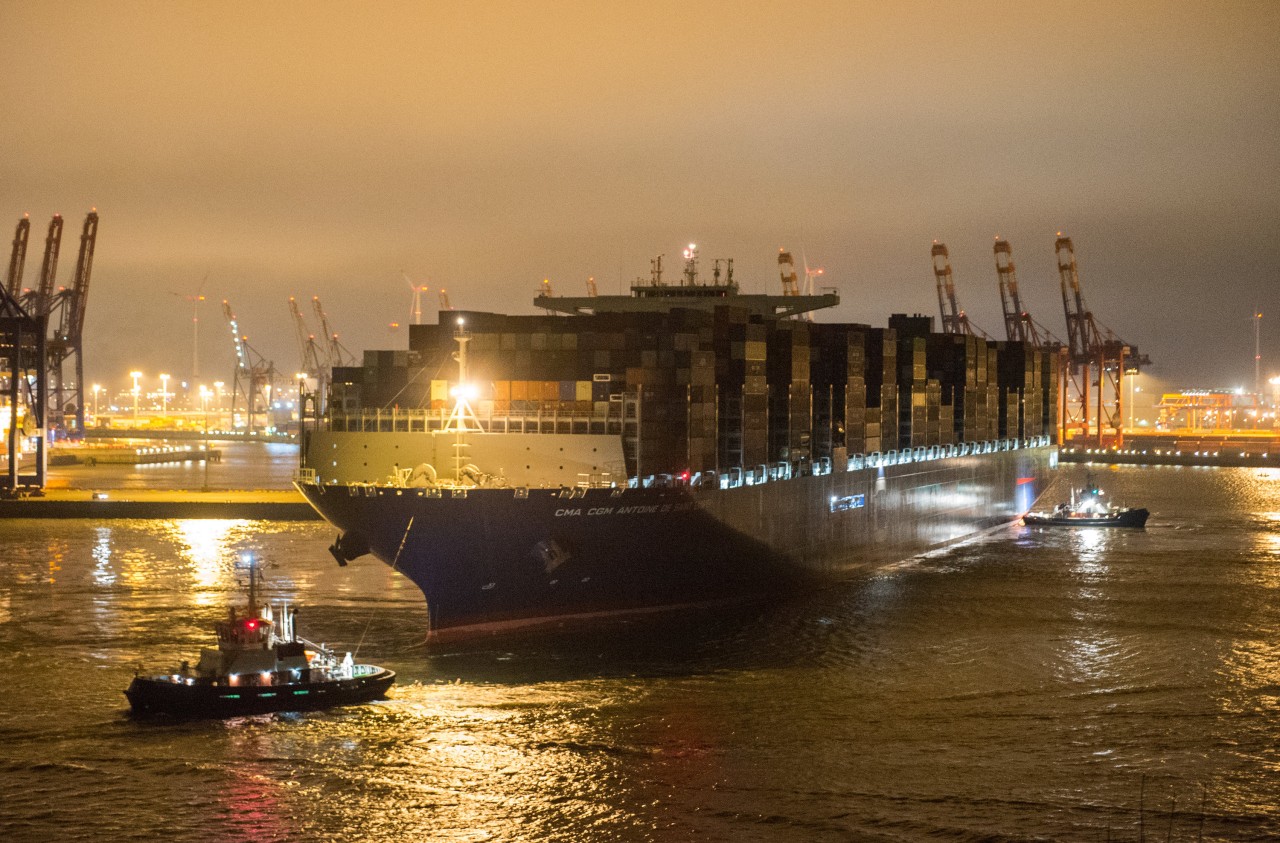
[103, 575]
[208, 547]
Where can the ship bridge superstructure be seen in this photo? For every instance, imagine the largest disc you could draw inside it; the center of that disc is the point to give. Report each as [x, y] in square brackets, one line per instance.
[658, 296]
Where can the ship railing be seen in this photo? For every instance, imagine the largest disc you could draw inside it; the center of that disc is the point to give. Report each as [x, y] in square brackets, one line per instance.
[738, 476]
[539, 417]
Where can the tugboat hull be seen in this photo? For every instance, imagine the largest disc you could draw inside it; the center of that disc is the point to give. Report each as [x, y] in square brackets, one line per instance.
[1131, 518]
[151, 696]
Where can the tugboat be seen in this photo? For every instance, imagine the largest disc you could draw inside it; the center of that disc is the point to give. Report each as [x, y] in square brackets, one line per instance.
[1087, 509]
[260, 665]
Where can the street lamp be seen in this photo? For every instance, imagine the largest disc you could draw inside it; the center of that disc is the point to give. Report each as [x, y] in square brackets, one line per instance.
[97, 387]
[164, 394]
[135, 376]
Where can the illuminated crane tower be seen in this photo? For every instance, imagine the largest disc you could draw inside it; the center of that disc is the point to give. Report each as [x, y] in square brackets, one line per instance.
[23, 378]
[68, 338]
[1097, 358]
[954, 320]
[254, 378]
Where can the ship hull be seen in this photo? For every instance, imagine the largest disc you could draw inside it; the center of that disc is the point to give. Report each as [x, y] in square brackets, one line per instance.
[508, 556]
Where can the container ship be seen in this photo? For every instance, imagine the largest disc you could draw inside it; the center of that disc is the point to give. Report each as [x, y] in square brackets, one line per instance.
[683, 445]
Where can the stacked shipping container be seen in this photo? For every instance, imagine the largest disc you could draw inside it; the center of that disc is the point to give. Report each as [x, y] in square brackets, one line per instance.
[722, 388]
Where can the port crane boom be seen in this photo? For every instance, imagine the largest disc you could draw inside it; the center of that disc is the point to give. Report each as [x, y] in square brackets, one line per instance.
[254, 376]
[68, 337]
[954, 320]
[1096, 355]
[312, 354]
[314, 362]
[1018, 324]
[39, 301]
[338, 354]
[18, 257]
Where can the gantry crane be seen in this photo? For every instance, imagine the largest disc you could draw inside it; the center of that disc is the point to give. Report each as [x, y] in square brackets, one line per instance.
[338, 355]
[18, 257]
[312, 354]
[254, 377]
[1094, 352]
[1020, 327]
[1018, 324]
[954, 320]
[38, 301]
[68, 337]
[315, 365]
[23, 375]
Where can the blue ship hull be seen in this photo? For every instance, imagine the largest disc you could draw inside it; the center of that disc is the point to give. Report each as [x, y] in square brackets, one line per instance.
[487, 556]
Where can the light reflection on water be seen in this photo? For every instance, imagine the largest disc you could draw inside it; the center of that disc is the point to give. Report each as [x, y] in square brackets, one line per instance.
[1014, 688]
[210, 546]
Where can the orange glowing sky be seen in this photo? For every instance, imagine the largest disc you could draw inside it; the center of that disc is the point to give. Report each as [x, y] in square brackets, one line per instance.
[257, 151]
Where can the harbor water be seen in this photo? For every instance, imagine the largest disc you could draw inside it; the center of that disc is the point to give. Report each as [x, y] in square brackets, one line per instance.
[1030, 685]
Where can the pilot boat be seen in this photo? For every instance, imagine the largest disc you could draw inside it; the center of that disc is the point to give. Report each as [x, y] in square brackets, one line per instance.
[260, 665]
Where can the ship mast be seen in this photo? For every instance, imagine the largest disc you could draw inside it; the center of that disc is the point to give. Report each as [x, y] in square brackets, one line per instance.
[463, 418]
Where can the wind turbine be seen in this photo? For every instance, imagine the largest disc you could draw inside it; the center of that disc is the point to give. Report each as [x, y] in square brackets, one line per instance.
[810, 273]
[415, 312]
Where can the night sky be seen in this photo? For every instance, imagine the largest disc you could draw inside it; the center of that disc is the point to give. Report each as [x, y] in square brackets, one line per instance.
[257, 151]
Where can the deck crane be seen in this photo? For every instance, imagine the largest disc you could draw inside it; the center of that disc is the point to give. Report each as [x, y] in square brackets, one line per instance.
[1094, 352]
[254, 377]
[68, 337]
[18, 257]
[338, 355]
[954, 320]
